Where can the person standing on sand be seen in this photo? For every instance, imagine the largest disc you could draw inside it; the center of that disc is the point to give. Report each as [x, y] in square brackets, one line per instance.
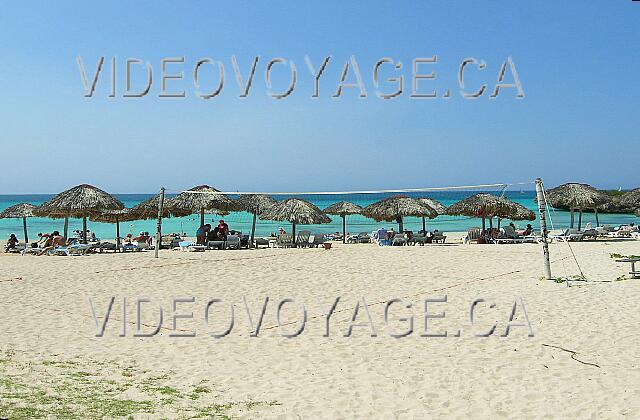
[201, 234]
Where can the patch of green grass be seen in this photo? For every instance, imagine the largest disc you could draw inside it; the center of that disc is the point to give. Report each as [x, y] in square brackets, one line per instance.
[620, 256]
[86, 389]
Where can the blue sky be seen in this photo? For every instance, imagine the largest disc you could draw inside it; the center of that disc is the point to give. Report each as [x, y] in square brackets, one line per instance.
[578, 63]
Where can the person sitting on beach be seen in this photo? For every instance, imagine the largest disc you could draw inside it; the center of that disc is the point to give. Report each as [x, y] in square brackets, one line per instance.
[201, 234]
[143, 237]
[45, 240]
[223, 227]
[56, 241]
[281, 231]
[214, 235]
[528, 231]
[128, 239]
[12, 243]
[390, 234]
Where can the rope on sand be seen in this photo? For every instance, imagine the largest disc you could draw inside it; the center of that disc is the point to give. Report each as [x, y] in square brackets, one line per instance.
[573, 355]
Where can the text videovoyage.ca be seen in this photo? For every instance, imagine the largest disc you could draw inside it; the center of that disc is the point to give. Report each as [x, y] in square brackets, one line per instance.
[287, 317]
[208, 78]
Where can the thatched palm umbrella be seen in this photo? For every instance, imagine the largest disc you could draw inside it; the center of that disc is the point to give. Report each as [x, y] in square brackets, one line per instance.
[22, 210]
[516, 212]
[342, 209]
[574, 196]
[434, 204]
[114, 216]
[81, 201]
[485, 206]
[297, 212]
[522, 213]
[255, 204]
[394, 209]
[202, 199]
[148, 209]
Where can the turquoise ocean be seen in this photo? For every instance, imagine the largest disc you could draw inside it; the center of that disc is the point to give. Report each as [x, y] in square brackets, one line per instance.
[242, 221]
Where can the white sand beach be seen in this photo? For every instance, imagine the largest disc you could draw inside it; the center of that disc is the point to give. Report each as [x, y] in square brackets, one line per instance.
[47, 334]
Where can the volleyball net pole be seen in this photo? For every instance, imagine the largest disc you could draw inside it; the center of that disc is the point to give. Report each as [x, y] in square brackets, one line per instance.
[542, 206]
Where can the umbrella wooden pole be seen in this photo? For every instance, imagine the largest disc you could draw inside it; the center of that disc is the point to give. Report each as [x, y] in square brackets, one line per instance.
[484, 224]
[159, 226]
[66, 228]
[499, 220]
[572, 217]
[597, 219]
[294, 233]
[580, 220]
[201, 217]
[400, 224]
[24, 226]
[84, 230]
[253, 229]
[344, 229]
[424, 226]
[117, 235]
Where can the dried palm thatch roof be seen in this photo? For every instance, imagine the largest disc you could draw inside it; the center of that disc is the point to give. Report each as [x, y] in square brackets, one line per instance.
[343, 208]
[434, 204]
[113, 216]
[296, 211]
[521, 213]
[18, 210]
[202, 198]
[485, 205]
[576, 196]
[80, 201]
[255, 203]
[148, 209]
[393, 208]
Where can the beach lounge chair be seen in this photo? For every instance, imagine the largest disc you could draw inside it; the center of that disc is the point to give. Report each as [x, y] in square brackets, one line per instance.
[352, 239]
[284, 240]
[418, 238]
[217, 244]
[589, 232]
[399, 240]
[19, 248]
[190, 246]
[302, 240]
[364, 238]
[473, 235]
[567, 235]
[317, 240]
[438, 237]
[508, 235]
[105, 246]
[261, 241]
[233, 242]
[75, 249]
[131, 247]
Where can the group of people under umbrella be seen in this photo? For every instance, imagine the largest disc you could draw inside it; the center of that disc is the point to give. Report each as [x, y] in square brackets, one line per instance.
[88, 202]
